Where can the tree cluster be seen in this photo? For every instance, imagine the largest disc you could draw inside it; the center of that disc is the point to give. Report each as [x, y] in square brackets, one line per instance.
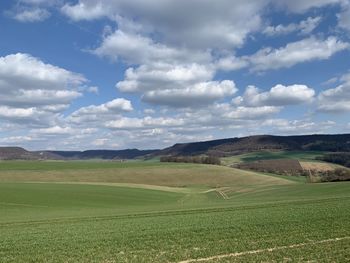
[338, 158]
[191, 159]
[336, 175]
[277, 166]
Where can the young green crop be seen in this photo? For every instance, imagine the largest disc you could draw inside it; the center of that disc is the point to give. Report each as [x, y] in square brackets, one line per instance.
[94, 214]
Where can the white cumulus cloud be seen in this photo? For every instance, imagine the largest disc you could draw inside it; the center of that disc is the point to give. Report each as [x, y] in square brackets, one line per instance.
[164, 76]
[199, 94]
[102, 112]
[278, 95]
[304, 27]
[31, 14]
[33, 90]
[305, 50]
[336, 100]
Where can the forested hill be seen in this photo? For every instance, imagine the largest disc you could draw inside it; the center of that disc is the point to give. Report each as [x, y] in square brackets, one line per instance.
[17, 153]
[104, 154]
[233, 146]
[222, 147]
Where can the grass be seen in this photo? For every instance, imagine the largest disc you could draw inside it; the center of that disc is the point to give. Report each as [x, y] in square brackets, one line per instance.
[42, 201]
[161, 174]
[73, 165]
[45, 217]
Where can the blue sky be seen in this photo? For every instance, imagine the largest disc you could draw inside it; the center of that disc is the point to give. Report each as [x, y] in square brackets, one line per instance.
[94, 74]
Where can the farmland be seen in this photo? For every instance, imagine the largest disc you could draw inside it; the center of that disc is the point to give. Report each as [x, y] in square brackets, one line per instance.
[167, 212]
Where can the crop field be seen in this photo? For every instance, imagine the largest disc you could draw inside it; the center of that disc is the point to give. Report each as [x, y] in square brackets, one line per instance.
[167, 212]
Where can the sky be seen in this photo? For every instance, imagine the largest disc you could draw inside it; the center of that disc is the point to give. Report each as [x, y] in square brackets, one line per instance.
[117, 74]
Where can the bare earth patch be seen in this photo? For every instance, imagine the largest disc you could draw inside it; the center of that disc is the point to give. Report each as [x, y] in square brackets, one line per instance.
[315, 166]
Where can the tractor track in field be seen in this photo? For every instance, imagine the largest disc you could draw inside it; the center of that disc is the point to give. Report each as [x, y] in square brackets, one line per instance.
[222, 193]
[251, 252]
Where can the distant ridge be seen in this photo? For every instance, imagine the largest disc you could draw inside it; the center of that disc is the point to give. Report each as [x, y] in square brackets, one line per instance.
[222, 147]
[8, 153]
[103, 154]
[234, 146]
[18, 153]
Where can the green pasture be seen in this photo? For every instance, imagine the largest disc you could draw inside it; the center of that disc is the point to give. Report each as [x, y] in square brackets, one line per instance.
[160, 212]
[73, 165]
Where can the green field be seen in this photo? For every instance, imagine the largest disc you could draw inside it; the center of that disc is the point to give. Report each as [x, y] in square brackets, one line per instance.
[167, 212]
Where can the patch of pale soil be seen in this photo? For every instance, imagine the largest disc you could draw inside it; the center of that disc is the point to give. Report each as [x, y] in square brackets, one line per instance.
[249, 252]
[314, 166]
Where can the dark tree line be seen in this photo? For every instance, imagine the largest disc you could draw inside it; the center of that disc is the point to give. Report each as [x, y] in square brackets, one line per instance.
[277, 166]
[336, 175]
[338, 158]
[191, 159]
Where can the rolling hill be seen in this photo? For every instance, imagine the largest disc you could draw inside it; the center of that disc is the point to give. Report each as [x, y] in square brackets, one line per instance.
[143, 211]
[18, 153]
[234, 146]
[220, 148]
[103, 154]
